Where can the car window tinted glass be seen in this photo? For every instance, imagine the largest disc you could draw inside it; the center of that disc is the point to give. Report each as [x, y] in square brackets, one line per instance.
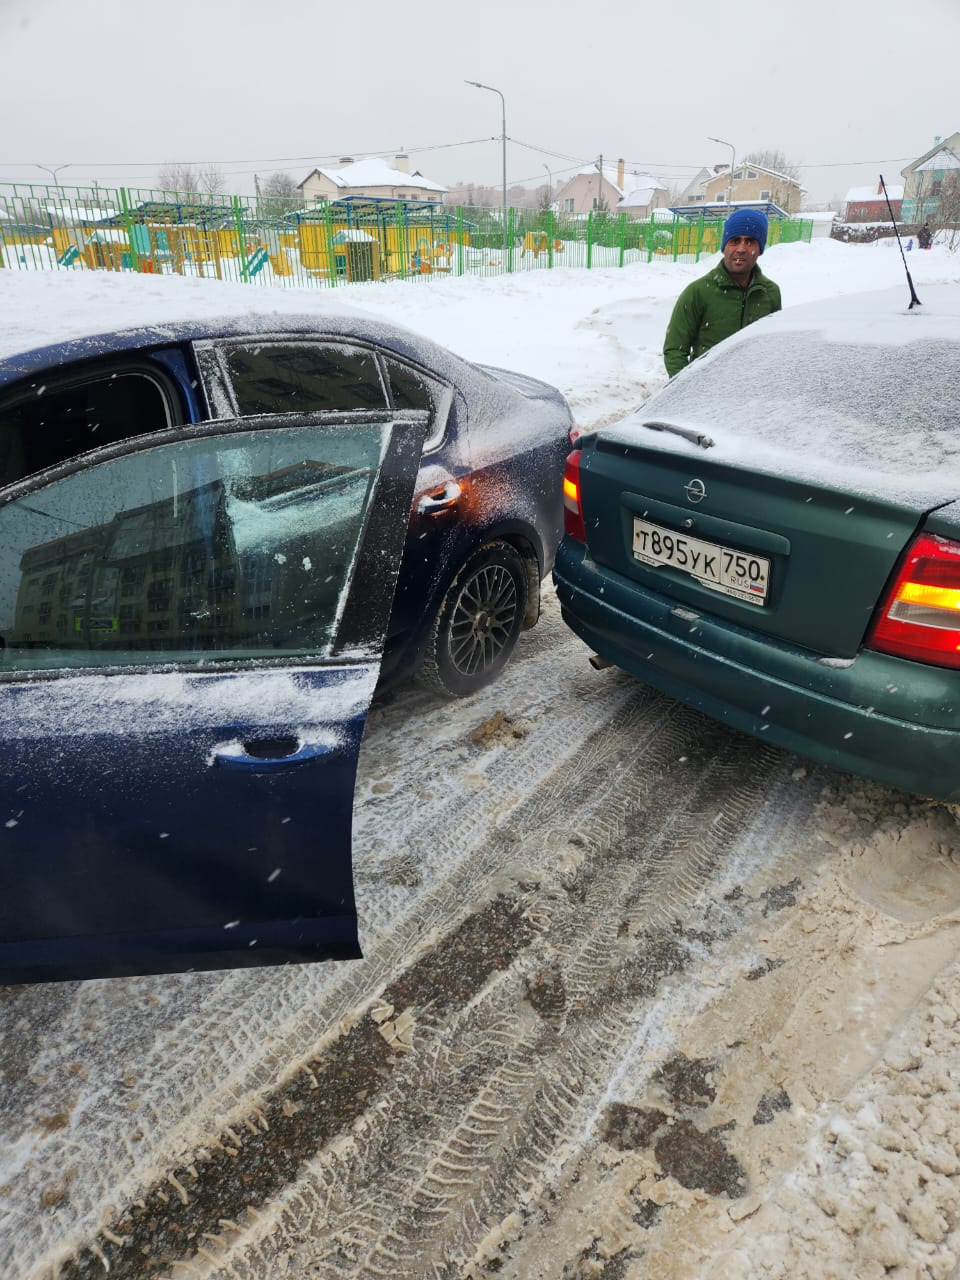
[410, 388]
[224, 547]
[275, 377]
[52, 424]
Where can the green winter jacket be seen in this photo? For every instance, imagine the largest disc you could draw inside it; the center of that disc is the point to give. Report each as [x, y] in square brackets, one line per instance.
[711, 309]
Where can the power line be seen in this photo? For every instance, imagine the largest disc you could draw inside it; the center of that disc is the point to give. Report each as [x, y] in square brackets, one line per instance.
[848, 164]
[259, 161]
[535, 177]
[334, 157]
[675, 166]
[671, 168]
[675, 169]
[547, 151]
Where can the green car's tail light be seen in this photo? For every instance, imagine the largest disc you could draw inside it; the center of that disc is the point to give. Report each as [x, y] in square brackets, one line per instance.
[572, 509]
[920, 617]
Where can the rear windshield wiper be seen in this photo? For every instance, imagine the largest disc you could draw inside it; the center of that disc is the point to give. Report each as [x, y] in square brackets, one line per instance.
[695, 437]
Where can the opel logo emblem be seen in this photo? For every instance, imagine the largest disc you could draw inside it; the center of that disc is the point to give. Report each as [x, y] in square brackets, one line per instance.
[695, 490]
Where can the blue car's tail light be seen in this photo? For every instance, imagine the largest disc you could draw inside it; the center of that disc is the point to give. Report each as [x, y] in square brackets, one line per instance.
[920, 617]
[572, 508]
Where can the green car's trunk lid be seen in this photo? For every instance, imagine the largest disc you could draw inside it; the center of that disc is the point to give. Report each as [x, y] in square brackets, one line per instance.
[817, 487]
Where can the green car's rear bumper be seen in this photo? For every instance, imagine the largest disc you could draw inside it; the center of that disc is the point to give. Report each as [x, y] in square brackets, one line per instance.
[884, 717]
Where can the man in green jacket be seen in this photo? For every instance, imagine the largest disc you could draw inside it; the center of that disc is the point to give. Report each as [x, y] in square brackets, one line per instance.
[733, 294]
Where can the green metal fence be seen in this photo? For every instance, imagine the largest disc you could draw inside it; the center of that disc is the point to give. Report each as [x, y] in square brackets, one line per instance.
[280, 243]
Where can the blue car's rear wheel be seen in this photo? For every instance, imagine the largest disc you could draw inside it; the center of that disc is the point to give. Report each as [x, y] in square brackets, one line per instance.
[478, 623]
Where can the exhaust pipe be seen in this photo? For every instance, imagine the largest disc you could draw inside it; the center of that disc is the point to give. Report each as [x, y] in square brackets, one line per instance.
[598, 663]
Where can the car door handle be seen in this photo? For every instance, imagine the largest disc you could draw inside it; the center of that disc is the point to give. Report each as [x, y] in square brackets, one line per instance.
[438, 500]
[267, 755]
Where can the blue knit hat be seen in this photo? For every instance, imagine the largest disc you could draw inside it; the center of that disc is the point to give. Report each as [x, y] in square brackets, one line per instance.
[746, 222]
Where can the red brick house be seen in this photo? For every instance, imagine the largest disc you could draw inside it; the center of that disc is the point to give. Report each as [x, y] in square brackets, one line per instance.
[868, 204]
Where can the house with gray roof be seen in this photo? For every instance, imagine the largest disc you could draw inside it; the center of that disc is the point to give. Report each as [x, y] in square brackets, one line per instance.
[925, 178]
[642, 193]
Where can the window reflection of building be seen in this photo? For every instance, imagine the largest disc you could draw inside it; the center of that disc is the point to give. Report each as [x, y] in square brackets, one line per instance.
[121, 584]
[218, 566]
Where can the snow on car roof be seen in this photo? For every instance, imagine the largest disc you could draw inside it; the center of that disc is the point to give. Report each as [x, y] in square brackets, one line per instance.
[49, 318]
[42, 309]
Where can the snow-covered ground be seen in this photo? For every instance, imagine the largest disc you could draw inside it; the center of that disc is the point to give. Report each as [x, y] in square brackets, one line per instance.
[595, 334]
[846, 1001]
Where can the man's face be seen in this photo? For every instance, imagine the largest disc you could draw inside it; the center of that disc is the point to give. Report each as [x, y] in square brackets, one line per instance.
[740, 255]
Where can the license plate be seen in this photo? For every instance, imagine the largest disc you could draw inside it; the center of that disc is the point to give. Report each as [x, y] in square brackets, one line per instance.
[734, 573]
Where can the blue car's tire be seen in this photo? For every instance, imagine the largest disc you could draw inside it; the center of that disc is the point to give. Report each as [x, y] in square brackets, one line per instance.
[478, 622]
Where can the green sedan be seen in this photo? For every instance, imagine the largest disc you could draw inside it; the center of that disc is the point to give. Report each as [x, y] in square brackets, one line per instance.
[774, 538]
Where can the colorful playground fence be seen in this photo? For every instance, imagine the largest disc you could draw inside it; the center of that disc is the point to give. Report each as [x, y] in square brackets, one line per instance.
[280, 242]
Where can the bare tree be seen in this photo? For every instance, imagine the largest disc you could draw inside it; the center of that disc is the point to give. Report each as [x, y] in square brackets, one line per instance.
[279, 185]
[212, 179]
[946, 215]
[767, 158]
[185, 178]
[279, 195]
[782, 193]
[177, 177]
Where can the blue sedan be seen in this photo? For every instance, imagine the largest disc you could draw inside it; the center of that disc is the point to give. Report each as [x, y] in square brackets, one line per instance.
[213, 532]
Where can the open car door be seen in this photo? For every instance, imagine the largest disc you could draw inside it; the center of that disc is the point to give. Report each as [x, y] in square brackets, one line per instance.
[192, 623]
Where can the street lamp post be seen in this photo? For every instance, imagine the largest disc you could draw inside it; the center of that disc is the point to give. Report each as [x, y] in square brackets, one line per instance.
[503, 142]
[549, 186]
[53, 172]
[733, 163]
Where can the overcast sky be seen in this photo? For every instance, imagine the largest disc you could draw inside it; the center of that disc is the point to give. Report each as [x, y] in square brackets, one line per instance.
[115, 90]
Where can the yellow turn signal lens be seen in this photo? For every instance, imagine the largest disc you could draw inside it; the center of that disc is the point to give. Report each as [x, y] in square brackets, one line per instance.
[931, 597]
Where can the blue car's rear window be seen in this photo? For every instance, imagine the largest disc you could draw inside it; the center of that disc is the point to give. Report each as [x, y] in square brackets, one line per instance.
[48, 425]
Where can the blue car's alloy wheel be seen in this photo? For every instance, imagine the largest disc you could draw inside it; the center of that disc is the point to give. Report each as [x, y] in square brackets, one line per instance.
[478, 622]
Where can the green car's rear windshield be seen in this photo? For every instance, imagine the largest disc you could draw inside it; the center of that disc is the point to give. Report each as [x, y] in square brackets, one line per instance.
[800, 404]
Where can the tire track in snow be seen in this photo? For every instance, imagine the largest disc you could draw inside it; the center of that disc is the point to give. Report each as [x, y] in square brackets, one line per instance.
[544, 1094]
[161, 1064]
[170, 1061]
[542, 1115]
